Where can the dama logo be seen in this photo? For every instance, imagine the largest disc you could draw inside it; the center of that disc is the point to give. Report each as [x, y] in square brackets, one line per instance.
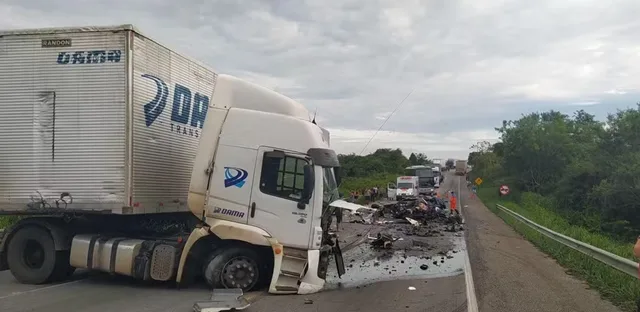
[187, 113]
[234, 177]
[228, 212]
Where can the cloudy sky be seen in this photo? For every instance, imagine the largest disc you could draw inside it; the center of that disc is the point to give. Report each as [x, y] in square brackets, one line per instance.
[468, 64]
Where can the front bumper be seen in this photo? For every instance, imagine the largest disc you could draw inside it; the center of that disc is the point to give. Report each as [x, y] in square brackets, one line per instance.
[312, 278]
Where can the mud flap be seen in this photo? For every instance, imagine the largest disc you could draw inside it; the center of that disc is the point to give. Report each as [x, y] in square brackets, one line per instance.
[337, 254]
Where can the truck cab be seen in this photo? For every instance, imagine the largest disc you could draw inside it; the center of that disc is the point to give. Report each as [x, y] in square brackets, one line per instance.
[264, 175]
[407, 187]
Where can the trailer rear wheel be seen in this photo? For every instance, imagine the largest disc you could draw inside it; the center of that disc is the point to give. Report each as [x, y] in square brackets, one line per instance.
[33, 259]
[233, 267]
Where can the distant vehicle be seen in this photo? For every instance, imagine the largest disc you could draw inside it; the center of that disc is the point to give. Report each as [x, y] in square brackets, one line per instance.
[407, 187]
[440, 177]
[461, 167]
[438, 162]
[428, 179]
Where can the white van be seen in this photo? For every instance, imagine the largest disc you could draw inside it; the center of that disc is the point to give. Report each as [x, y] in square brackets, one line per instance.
[406, 187]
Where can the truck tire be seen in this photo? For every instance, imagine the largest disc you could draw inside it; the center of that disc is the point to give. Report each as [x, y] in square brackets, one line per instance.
[234, 267]
[33, 259]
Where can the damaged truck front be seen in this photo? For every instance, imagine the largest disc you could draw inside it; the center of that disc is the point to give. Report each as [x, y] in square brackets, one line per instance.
[125, 157]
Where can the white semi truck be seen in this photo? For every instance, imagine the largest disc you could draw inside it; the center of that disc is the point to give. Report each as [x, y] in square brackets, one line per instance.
[125, 157]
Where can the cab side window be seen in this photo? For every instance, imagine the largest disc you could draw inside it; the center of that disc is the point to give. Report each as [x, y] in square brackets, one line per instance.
[283, 177]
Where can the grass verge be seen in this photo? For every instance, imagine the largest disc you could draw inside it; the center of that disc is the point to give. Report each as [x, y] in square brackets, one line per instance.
[6, 221]
[617, 287]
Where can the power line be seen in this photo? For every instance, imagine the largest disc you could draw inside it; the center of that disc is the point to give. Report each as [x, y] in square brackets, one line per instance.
[385, 121]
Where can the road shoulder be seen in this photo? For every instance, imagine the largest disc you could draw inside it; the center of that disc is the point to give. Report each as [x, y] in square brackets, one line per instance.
[511, 274]
[438, 294]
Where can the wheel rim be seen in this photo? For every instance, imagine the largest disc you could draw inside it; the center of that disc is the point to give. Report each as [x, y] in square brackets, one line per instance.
[240, 272]
[33, 254]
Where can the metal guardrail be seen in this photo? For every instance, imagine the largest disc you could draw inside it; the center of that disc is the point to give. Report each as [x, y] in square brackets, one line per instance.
[619, 263]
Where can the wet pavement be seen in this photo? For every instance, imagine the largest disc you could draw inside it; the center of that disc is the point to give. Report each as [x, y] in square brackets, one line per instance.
[421, 271]
[432, 252]
[376, 280]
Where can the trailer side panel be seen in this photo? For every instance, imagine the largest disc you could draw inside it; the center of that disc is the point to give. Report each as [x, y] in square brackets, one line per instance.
[171, 96]
[62, 112]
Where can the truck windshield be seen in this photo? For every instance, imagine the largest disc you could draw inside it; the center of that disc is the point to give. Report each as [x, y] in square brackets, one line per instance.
[330, 187]
[405, 185]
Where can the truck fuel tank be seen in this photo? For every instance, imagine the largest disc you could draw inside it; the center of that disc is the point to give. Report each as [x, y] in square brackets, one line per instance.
[126, 256]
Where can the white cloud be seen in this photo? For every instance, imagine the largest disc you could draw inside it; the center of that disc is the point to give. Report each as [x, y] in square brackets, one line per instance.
[585, 103]
[455, 144]
[470, 63]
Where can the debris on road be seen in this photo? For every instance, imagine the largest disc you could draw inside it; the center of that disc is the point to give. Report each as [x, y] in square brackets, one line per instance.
[404, 237]
[223, 300]
[383, 240]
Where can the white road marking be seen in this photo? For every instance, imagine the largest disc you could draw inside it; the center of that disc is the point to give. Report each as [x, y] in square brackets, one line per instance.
[18, 293]
[472, 302]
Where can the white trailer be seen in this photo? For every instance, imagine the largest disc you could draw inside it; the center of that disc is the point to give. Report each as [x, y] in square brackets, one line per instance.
[461, 167]
[126, 157]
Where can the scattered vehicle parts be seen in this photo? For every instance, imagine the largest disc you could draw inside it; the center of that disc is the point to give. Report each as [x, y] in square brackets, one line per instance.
[231, 299]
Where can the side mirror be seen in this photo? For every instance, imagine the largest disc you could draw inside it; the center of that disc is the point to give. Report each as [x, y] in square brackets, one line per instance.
[309, 185]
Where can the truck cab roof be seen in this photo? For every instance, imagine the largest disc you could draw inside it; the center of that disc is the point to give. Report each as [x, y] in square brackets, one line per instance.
[237, 93]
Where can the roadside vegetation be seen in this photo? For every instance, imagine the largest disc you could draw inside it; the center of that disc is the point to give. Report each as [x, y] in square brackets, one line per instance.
[6, 221]
[577, 176]
[376, 169]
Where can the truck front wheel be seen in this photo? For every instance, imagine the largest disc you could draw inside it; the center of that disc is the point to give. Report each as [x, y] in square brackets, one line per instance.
[33, 259]
[233, 267]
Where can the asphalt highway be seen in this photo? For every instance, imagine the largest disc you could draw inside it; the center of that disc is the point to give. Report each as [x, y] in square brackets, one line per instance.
[504, 273]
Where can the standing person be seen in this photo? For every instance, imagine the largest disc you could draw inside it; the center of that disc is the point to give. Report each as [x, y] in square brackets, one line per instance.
[367, 196]
[453, 203]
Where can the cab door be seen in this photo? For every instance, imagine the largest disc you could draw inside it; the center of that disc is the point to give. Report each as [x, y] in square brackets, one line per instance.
[278, 203]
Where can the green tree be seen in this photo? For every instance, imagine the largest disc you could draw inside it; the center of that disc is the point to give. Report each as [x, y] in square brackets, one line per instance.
[375, 169]
[450, 162]
[413, 160]
[588, 169]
